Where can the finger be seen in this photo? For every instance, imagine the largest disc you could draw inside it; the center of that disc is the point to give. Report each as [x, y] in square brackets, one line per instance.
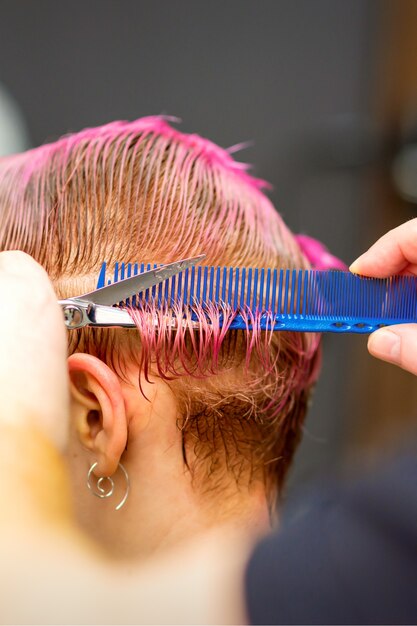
[18, 263]
[22, 279]
[33, 373]
[391, 254]
[397, 345]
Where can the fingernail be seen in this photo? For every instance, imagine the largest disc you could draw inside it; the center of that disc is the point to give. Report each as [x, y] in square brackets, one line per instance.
[354, 267]
[386, 344]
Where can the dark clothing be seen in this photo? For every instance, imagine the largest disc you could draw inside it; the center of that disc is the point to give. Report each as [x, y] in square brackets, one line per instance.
[351, 559]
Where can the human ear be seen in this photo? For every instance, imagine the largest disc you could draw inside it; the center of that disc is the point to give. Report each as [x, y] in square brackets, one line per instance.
[98, 409]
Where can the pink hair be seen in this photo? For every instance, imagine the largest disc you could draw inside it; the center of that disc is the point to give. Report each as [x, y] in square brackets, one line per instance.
[318, 255]
[84, 149]
[143, 191]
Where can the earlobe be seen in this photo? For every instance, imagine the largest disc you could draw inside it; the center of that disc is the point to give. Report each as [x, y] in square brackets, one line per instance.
[98, 410]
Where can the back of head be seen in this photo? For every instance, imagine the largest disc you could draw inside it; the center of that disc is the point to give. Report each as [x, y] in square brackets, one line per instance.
[144, 192]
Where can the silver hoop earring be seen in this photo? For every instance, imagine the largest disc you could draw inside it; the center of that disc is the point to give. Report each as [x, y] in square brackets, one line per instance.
[101, 491]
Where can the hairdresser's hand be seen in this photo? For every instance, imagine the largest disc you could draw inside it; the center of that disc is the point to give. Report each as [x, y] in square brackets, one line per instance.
[34, 406]
[33, 372]
[394, 253]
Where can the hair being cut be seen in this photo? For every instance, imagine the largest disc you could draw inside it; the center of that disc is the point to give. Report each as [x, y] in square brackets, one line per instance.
[144, 192]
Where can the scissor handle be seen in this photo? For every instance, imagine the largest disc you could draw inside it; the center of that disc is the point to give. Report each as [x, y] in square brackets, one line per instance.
[78, 313]
[75, 313]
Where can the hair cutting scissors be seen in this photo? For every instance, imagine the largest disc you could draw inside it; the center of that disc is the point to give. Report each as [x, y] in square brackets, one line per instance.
[96, 308]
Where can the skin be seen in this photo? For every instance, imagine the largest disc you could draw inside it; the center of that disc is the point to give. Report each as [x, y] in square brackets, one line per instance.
[111, 423]
[394, 253]
[30, 313]
[33, 422]
[199, 582]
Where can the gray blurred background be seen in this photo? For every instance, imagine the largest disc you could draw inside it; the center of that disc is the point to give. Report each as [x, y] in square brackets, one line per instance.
[325, 90]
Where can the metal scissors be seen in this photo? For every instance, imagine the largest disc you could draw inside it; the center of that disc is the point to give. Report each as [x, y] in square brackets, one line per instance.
[96, 308]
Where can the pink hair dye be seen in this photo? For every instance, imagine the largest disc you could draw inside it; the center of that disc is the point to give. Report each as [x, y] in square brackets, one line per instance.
[143, 191]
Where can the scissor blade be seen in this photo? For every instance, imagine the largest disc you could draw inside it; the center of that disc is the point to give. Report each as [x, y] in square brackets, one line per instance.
[112, 294]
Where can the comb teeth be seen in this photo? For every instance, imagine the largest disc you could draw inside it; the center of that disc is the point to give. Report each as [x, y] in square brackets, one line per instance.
[292, 299]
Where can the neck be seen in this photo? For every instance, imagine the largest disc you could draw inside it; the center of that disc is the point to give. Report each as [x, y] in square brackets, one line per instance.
[167, 503]
[163, 507]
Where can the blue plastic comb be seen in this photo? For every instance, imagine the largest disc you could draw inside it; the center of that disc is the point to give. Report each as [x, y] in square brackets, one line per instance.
[295, 300]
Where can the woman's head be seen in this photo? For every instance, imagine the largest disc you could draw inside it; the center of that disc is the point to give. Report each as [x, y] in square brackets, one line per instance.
[144, 192]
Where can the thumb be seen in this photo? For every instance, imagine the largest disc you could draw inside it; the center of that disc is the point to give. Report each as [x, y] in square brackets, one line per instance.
[396, 344]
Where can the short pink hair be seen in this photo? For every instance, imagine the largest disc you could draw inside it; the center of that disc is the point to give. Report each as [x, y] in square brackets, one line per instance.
[145, 192]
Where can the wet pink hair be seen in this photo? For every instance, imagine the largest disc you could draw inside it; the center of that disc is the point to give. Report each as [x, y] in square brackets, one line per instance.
[145, 192]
